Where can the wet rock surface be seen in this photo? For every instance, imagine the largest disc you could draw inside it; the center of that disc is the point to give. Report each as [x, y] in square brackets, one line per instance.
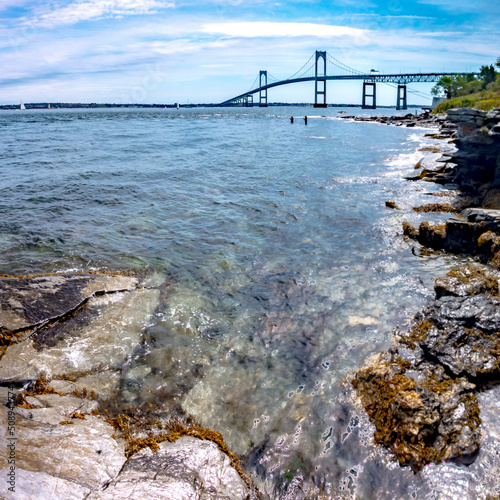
[420, 413]
[30, 302]
[474, 231]
[186, 469]
[79, 330]
[409, 120]
[422, 394]
[86, 343]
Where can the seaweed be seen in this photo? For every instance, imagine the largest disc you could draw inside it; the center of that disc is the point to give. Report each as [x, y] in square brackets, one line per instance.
[144, 429]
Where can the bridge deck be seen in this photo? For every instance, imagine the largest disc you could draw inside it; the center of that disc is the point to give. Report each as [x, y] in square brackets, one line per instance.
[401, 79]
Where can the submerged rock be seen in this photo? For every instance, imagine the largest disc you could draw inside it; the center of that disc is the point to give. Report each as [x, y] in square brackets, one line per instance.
[99, 339]
[70, 327]
[28, 302]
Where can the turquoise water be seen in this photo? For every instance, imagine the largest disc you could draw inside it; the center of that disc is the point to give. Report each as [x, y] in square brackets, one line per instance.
[281, 268]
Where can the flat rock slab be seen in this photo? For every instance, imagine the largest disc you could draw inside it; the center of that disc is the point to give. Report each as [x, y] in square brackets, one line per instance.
[184, 470]
[489, 216]
[84, 453]
[40, 486]
[100, 338]
[27, 302]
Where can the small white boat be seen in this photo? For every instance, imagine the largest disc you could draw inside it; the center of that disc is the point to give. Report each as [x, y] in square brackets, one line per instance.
[22, 106]
[178, 106]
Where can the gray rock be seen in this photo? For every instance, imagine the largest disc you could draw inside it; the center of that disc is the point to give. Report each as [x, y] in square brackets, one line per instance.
[84, 452]
[184, 470]
[490, 216]
[103, 385]
[494, 131]
[28, 302]
[462, 334]
[53, 408]
[40, 486]
[110, 334]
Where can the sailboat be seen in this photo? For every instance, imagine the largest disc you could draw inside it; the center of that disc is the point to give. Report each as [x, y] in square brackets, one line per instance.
[22, 106]
[178, 106]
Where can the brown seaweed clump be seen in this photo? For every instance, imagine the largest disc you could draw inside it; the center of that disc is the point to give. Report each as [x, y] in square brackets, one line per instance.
[143, 430]
[437, 208]
[421, 416]
[392, 204]
[421, 394]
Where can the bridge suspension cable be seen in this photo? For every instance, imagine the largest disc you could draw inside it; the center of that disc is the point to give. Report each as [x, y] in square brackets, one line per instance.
[343, 67]
[300, 72]
[272, 78]
[253, 84]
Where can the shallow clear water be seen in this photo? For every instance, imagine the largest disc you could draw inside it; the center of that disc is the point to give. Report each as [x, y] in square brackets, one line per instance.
[283, 269]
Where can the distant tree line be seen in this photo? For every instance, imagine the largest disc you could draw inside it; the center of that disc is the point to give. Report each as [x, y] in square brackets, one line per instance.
[458, 86]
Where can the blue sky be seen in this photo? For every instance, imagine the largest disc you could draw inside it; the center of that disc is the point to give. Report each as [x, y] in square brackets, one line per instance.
[150, 51]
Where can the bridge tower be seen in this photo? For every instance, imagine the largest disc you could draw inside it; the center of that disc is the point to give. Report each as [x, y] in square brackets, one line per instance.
[320, 80]
[369, 84]
[401, 99]
[262, 92]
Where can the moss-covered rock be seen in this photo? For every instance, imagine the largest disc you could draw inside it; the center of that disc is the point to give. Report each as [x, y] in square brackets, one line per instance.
[421, 394]
[422, 415]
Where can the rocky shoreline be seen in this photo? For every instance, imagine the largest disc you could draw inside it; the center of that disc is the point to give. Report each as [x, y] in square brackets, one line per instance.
[421, 394]
[59, 372]
[60, 363]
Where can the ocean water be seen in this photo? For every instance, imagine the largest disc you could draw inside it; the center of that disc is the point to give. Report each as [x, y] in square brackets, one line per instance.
[281, 271]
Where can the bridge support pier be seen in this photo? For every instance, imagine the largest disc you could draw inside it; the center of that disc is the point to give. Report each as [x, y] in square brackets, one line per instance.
[366, 86]
[262, 92]
[320, 80]
[401, 99]
[248, 101]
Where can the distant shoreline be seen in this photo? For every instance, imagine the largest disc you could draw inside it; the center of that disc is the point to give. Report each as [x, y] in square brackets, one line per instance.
[62, 105]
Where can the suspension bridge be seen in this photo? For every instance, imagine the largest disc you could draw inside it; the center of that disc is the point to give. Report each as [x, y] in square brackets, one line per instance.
[321, 67]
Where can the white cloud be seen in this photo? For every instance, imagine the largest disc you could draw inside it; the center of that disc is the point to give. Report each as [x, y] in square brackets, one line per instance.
[97, 9]
[269, 29]
[5, 4]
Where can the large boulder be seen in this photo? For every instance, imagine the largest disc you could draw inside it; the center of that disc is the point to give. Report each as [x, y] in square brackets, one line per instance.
[421, 394]
[461, 333]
